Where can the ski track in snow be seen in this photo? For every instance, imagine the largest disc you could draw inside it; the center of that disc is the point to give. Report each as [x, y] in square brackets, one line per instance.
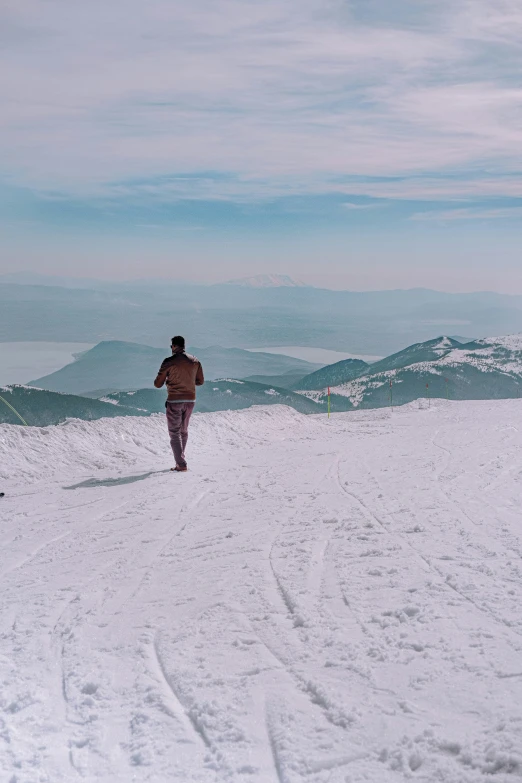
[330, 601]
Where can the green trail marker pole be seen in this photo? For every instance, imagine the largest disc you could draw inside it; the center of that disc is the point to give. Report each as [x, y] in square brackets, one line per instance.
[447, 390]
[428, 395]
[328, 402]
[391, 394]
[14, 411]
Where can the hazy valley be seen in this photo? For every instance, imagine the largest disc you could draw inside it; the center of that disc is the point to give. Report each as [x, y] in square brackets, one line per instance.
[375, 323]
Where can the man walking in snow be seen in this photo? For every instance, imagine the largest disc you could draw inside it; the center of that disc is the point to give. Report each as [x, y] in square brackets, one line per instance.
[182, 373]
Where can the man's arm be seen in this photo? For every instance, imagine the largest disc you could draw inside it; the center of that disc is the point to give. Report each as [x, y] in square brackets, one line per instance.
[161, 377]
[200, 380]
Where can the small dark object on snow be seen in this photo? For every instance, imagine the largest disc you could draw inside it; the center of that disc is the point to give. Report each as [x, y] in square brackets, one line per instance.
[2, 494]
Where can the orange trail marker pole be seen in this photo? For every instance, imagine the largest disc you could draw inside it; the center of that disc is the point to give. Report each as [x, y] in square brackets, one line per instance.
[328, 402]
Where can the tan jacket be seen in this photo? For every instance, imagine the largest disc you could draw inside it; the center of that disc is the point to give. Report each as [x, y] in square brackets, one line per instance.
[182, 373]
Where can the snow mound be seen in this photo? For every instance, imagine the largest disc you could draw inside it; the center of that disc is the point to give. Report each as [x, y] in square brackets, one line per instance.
[84, 446]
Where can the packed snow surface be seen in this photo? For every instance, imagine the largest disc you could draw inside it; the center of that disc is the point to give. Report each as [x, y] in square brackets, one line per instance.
[330, 601]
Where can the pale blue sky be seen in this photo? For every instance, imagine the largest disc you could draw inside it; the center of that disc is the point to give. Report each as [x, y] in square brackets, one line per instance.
[356, 143]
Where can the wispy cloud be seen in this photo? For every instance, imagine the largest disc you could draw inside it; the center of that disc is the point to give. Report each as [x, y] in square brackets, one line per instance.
[351, 206]
[281, 97]
[443, 216]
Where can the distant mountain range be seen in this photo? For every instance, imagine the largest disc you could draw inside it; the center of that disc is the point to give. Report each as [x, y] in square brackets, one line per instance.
[333, 375]
[286, 380]
[220, 395]
[40, 408]
[267, 281]
[367, 323]
[115, 365]
[483, 369]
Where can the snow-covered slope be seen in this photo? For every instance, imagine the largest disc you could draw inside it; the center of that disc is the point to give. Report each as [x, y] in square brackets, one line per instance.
[491, 354]
[315, 600]
[485, 369]
[431, 350]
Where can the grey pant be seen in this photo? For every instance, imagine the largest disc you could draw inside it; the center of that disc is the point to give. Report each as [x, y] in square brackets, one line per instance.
[178, 417]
